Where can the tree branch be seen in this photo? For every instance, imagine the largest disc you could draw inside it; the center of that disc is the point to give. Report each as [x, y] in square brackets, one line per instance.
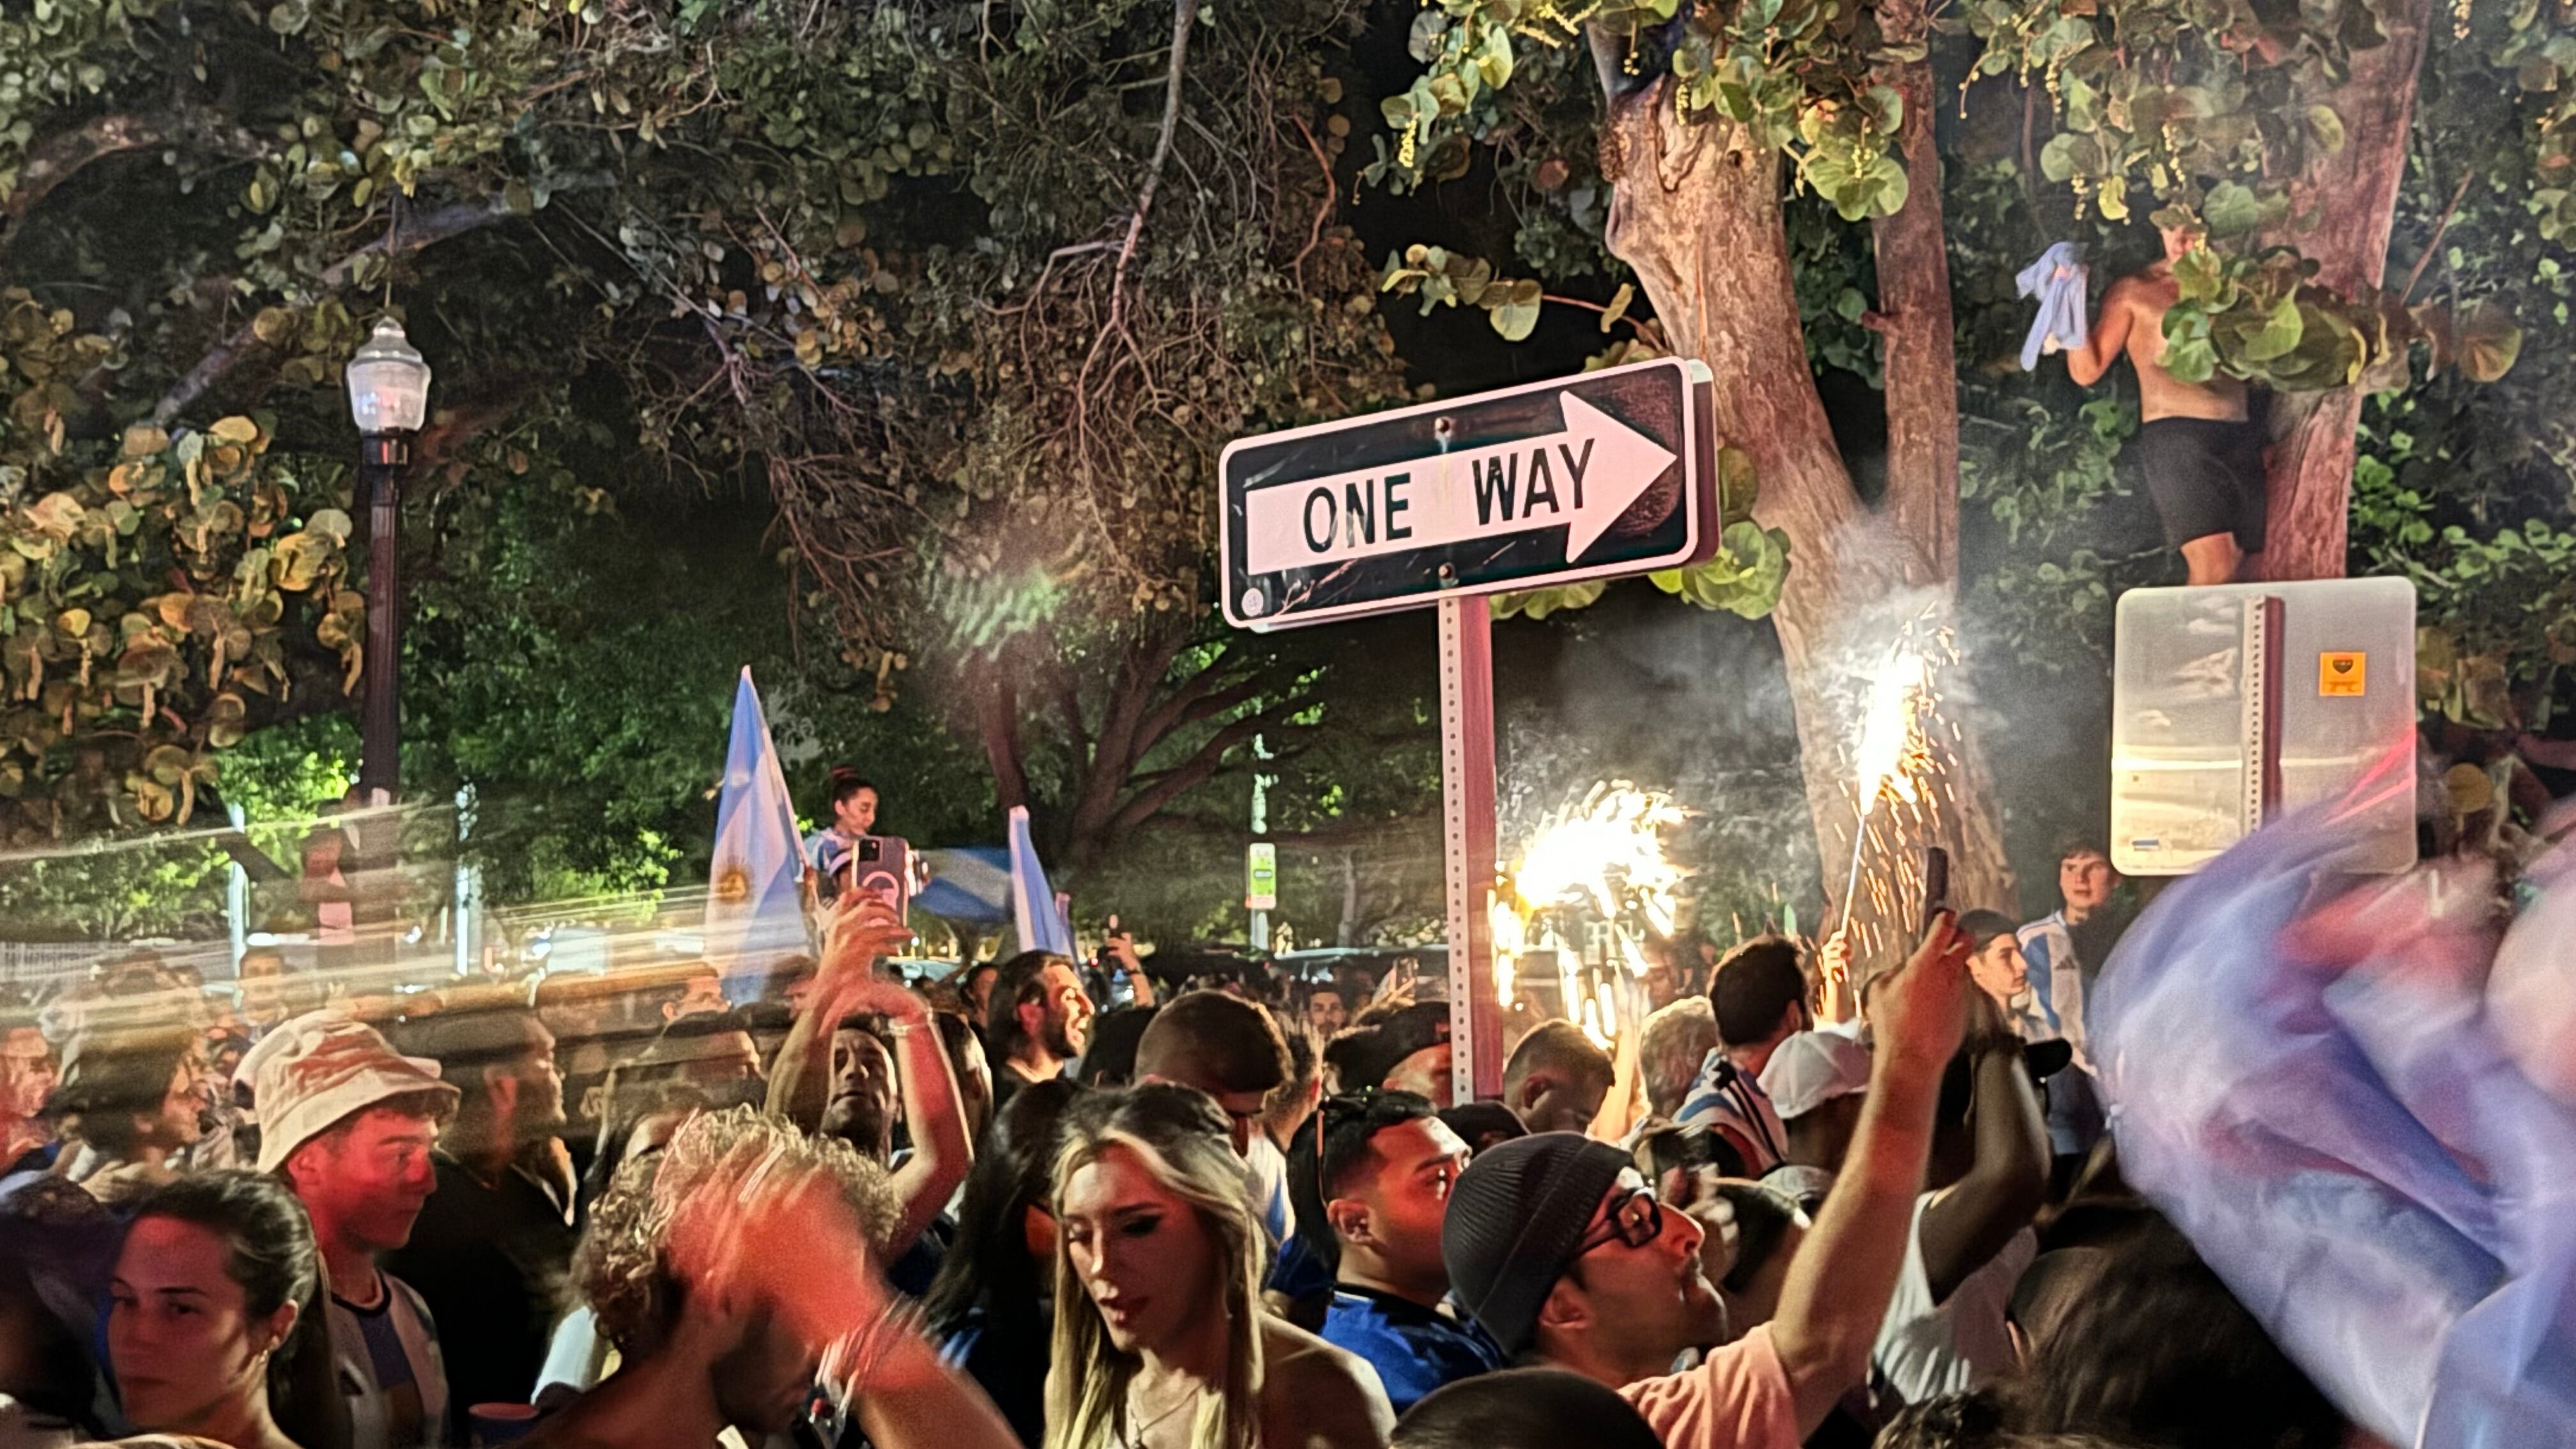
[1200, 768]
[422, 231]
[1000, 719]
[1184, 12]
[57, 158]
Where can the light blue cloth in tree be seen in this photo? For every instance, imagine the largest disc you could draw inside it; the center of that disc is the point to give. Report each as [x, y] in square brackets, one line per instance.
[2057, 279]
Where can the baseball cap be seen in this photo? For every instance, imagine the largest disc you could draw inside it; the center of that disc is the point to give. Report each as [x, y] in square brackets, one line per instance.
[1513, 1221]
[1812, 1068]
[312, 1070]
[1373, 1051]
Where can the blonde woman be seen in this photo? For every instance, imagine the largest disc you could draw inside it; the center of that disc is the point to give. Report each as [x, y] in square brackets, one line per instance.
[1160, 1340]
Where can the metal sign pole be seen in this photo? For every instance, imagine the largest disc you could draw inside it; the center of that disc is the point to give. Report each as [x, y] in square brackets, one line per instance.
[1467, 819]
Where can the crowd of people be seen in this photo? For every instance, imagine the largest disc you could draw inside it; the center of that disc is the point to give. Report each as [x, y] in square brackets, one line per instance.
[1812, 1201]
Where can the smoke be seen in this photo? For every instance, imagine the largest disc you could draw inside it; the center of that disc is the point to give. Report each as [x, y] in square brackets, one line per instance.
[1646, 688]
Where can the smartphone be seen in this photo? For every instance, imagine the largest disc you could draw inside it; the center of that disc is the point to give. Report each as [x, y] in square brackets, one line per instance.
[871, 849]
[1936, 885]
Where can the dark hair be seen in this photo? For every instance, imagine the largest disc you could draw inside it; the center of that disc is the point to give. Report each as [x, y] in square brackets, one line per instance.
[1560, 1045]
[1763, 1217]
[1981, 927]
[469, 1037]
[1110, 1058]
[988, 1265]
[1342, 1136]
[1754, 986]
[1302, 1067]
[1526, 1408]
[1482, 1124]
[269, 1252]
[2073, 846]
[630, 1096]
[1022, 981]
[113, 1075]
[2155, 1350]
[846, 783]
[1214, 1041]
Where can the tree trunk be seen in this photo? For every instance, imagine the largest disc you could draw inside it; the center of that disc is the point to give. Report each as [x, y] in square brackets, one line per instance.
[2352, 195]
[1914, 317]
[1699, 218]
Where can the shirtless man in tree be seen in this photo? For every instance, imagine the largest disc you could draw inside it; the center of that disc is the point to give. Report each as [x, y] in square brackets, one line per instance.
[2202, 459]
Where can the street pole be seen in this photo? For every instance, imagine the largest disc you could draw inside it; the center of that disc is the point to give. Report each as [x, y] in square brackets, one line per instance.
[388, 400]
[1468, 846]
[379, 763]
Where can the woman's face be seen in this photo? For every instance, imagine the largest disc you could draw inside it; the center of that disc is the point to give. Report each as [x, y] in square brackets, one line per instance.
[179, 1335]
[1142, 1254]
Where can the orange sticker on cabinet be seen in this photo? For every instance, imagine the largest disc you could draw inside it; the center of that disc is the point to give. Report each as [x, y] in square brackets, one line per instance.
[2343, 674]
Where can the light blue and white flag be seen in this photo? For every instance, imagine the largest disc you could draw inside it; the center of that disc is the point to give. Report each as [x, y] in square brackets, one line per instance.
[755, 897]
[1034, 912]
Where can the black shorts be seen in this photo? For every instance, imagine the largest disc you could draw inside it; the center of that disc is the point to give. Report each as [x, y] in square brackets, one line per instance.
[2206, 476]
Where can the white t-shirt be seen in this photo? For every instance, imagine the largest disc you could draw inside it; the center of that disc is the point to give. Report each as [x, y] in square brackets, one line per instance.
[1925, 1351]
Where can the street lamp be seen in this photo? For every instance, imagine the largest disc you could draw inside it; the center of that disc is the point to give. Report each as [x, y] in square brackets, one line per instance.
[388, 399]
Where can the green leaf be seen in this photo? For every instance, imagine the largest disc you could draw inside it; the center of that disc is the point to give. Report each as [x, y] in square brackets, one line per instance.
[2279, 333]
[2231, 209]
[2489, 343]
[2066, 154]
[2326, 127]
[1618, 307]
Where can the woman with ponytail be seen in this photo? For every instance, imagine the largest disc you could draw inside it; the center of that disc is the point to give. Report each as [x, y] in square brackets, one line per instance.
[215, 1328]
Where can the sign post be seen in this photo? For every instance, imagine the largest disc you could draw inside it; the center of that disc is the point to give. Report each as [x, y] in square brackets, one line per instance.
[1599, 476]
[1468, 844]
[1261, 889]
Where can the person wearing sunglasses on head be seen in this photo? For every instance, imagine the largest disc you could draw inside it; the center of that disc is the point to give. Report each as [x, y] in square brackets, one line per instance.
[1562, 1251]
[1371, 1177]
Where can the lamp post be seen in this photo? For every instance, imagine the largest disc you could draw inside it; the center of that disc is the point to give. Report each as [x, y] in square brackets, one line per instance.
[388, 399]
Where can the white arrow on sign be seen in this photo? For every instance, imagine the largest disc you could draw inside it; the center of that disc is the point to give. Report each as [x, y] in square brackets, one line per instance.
[1581, 479]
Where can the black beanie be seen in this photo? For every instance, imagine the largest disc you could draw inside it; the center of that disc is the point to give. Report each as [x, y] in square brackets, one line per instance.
[1513, 1221]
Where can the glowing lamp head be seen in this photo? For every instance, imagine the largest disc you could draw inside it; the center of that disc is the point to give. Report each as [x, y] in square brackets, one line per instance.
[388, 383]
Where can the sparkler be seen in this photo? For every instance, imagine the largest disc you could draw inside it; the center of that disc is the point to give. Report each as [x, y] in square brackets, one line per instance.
[1606, 852]
[1893, 744]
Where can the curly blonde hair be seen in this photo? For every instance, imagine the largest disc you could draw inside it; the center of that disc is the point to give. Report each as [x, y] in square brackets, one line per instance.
[619, 1268]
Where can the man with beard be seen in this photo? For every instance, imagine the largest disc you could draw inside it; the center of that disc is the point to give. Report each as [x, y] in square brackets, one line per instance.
[351, 1126]
[491, 1249]
[882, 1041]
[1563, 1252]
[1037, 1022]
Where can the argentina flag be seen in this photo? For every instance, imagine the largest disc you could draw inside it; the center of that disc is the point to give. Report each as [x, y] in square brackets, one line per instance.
[1034, 913]
[755, 897]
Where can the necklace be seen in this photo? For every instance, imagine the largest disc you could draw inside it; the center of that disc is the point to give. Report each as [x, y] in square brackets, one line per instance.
[1135, 1438]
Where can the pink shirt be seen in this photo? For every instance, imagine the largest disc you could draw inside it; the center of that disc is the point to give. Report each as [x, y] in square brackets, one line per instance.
[1738, 1398]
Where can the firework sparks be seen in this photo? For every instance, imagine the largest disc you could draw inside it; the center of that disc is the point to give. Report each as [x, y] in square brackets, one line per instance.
[1607, 853]
[1897, 765]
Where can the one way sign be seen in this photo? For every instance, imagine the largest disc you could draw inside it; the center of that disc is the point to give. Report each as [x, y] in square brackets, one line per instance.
[1548, 483]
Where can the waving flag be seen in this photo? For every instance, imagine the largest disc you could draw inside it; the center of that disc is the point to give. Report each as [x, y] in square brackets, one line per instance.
[1034, 911]
[755, 898]
[2306, 1077]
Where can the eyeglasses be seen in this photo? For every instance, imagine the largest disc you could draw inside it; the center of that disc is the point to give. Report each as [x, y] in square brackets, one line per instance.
[1635, 1219]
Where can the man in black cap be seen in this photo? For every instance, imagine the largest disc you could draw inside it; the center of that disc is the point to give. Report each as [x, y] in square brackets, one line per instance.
[1559, 1248]
[1403, 1050]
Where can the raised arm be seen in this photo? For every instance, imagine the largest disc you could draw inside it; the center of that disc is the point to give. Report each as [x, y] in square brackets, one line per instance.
[2108, 337]
[1839, 1284]
[794, 1246]
[932, 1116]
[1969, 1221]
[861, 930]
